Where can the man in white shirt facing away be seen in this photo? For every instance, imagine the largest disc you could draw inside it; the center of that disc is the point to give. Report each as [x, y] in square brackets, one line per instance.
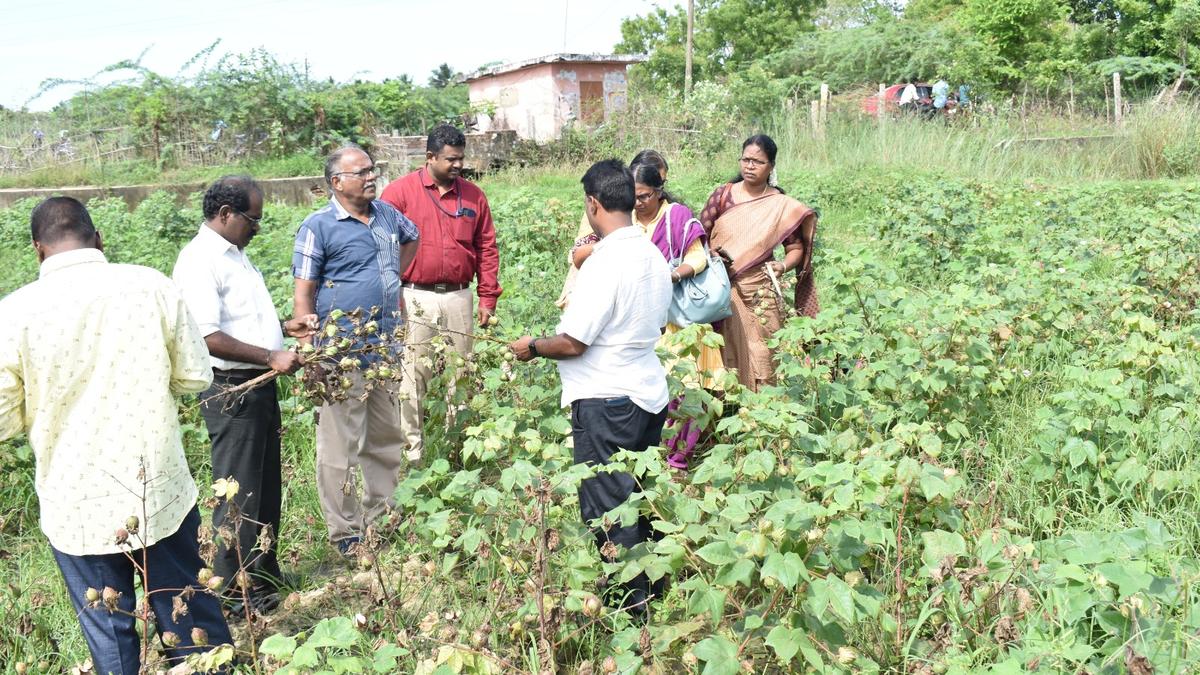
[92, 356]
[611, 376]
[229, 300]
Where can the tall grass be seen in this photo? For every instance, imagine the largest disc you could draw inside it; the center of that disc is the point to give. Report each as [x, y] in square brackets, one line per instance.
[1155, 141]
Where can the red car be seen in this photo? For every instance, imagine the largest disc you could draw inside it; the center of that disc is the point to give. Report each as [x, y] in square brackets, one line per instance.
[891, 98]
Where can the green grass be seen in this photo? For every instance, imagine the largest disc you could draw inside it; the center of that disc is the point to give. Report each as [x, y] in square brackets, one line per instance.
[142, 171]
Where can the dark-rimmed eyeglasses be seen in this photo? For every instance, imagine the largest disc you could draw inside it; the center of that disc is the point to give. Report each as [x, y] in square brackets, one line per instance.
[750, 161]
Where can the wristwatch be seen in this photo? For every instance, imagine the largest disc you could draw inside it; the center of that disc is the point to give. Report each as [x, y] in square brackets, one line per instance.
[533, 348]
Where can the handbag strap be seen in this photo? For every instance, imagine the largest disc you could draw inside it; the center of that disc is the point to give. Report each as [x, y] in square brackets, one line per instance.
[675, 259]
[678, 259]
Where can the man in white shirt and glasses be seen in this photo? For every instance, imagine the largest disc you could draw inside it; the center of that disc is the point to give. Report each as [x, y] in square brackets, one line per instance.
[92, 356]
[611, 375]
[229, 300]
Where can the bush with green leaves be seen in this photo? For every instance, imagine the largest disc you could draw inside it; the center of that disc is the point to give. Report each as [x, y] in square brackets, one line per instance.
[976, 457]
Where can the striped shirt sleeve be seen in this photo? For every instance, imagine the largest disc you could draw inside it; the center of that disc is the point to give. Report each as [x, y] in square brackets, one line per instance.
[308, 257]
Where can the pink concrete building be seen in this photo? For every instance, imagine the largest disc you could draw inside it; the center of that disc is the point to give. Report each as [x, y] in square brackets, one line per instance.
[538, 97]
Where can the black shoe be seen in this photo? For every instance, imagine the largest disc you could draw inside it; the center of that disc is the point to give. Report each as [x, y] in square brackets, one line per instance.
[348, 547]
[261, 602]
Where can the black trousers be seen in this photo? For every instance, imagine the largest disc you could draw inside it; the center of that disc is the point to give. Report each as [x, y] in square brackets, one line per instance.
[245, 434]
[601, 427]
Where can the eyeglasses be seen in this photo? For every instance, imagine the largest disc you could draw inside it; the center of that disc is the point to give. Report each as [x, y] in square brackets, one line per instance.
[645, 197]
[750, 161]
[252, 219]
[362, 174]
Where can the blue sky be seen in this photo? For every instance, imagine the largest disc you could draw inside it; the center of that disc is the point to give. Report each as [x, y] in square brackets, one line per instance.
[370, 39]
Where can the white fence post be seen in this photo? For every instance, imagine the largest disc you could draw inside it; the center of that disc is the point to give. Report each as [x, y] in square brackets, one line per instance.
[1118, 110]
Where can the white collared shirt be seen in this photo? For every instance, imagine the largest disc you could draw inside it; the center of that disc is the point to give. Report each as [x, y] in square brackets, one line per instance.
[92, 356]
[618, 308]
[226, 293]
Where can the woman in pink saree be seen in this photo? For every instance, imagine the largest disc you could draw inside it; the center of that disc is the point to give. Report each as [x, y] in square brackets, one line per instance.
[746, 219]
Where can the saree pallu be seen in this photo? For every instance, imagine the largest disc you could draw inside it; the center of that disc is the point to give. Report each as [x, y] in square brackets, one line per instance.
[564, 296]
[748, 233]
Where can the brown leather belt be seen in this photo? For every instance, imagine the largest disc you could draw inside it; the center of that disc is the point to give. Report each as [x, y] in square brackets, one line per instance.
[436, 288]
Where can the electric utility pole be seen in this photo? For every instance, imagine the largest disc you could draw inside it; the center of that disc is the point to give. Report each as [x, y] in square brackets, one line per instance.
[687, 58]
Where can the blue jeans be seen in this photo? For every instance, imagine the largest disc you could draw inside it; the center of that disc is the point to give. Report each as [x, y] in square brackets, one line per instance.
[171, 565]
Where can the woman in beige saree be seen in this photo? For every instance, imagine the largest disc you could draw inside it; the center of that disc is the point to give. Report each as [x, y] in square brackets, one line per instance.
[746, 220]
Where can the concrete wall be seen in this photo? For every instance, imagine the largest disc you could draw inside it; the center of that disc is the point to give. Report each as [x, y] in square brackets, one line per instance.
[485, 150]
[303, 190]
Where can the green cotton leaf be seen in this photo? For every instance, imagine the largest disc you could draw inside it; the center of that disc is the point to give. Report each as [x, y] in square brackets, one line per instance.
[786, 568]
[305, 657]
[707, 601]
[386, 657]
[346, 664]
[719, 655]
[737, 574]
[907, 471]
[279, 646]
[558, 424]
[957, 430]
[934, 484]
[786, 642]
[931, 444]
[336, 632]
[1130, 577]
[841, 599]
[669, 635]
[939, 544]
[717, 553]
[1080, 451]
[1131, 472]
[666, 527]
[758, 464]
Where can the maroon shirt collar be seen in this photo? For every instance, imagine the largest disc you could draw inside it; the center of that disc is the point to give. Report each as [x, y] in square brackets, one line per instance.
[427, 180]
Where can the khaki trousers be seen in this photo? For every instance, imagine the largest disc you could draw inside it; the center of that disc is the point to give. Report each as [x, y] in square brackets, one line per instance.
[427, 312]
[363, 434]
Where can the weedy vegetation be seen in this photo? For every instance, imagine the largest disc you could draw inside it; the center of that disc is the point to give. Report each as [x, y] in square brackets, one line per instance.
[977, 456]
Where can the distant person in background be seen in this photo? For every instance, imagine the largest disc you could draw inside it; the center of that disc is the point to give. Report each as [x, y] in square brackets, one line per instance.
[458, 246]
[941, 94]
[611, 376]
[38, 138]
[909, 95]
[964, 95]
[746, 219]
[349, 256]
[92, 356]
[585, 239]
[229, 300]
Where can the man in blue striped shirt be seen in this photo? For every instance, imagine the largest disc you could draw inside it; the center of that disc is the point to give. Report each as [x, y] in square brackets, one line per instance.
[349, 255]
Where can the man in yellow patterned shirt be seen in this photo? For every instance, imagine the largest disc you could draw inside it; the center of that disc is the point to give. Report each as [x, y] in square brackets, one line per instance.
[92, 356]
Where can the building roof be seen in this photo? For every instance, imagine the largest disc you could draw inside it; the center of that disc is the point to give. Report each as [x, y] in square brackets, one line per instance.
[553, 58]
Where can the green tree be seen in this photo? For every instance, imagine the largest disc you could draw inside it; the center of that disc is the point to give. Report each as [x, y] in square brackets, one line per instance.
[660, 36]
[442, 76]
[728, 35]
[1183, 24]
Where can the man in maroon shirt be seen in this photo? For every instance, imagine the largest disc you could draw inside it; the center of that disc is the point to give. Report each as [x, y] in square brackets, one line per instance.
[457, 245]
